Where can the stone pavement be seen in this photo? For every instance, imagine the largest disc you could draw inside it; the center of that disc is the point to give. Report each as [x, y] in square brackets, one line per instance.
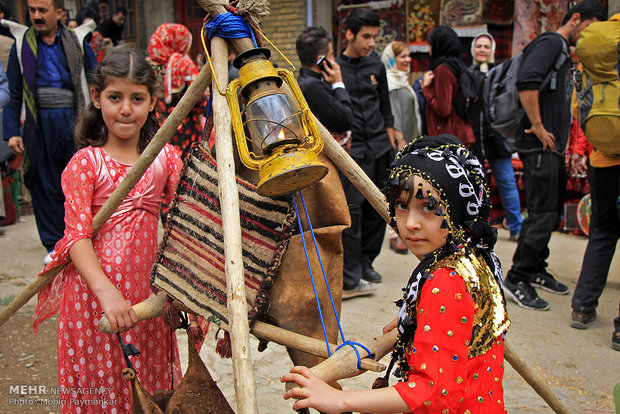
[579, 366]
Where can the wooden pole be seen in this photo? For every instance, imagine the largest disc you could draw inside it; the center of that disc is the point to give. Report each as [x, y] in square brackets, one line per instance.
[245, 386]
[531, 378]
[353, 172]
[357, 176]
[343, 363]
[161, 138]
[153, 308]
[307, 344]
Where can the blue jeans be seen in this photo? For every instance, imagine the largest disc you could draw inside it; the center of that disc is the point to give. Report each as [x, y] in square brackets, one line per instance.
[505, 179]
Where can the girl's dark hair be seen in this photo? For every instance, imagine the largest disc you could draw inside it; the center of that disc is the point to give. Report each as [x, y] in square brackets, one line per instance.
[311, 43]
[4, 8]
[394, 192]
[129, 65]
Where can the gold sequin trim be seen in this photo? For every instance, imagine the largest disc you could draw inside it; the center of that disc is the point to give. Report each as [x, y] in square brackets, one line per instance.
[450, 333]
[459, 380]
[427, 403]
[491, 320]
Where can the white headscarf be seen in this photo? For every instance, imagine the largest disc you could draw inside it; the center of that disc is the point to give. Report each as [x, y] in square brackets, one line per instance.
[492, 57]
[397, 79]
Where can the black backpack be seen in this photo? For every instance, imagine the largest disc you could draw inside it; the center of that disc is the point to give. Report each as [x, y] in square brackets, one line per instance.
[501, 98]
[468, 103]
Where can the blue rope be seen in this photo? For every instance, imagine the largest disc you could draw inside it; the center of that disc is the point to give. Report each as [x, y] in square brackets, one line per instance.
[316, 247]
[353, 345]
[316, 296]
[231, 26]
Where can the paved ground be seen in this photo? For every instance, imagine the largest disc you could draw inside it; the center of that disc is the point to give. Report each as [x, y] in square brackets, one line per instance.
[579, 366]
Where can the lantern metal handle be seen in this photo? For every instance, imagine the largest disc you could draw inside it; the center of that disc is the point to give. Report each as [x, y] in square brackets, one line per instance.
[237, 123]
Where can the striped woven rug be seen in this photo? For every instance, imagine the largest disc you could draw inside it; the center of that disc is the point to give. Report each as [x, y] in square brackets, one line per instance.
[190, 263]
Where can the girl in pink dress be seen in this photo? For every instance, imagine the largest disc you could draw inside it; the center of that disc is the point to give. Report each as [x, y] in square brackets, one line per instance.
[108, 271]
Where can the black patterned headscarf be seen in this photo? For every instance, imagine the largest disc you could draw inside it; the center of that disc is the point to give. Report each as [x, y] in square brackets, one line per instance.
[457, 176]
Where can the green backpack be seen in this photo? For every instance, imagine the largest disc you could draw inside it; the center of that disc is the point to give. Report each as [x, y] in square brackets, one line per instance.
[598, 50]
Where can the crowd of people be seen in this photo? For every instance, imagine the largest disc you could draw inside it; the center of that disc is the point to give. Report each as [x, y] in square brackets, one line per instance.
[406, 135]
[389, 111]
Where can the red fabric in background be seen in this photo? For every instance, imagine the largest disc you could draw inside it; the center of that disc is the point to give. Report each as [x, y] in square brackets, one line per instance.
[10, 211]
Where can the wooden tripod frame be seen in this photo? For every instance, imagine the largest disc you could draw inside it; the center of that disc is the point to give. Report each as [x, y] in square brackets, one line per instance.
[245, 388]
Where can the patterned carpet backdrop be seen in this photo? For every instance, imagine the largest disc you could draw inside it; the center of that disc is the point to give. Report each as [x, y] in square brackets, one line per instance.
[190, 263]
[391, 13]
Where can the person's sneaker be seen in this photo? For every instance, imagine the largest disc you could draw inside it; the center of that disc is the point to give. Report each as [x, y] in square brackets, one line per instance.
[615, 341]
[525, 295]
[546, 281]
[2, 230]
[581, 319]
[363, 288]
[371, 275]
[47, 259]
[514, 236]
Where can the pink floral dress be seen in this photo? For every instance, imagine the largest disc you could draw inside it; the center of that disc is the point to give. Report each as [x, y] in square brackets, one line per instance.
[89, 361]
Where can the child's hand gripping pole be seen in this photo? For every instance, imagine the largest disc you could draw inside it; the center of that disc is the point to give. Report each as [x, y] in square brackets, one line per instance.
[147, 309]
[343, 362]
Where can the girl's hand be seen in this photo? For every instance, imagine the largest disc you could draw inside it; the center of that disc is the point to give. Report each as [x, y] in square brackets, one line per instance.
[313, 392]
[428, 78]
[391, 325]
[120, 313]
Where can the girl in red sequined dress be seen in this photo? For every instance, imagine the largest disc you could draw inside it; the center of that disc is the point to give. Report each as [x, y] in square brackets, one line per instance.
[108, 271]
[452, 316]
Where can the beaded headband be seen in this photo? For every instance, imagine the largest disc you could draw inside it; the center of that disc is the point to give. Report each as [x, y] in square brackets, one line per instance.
[454, 173]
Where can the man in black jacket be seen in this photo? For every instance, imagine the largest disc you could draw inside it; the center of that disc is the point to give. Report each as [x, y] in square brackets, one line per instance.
[372, 147]
[541, 143]
[322, 86]
[112, 28]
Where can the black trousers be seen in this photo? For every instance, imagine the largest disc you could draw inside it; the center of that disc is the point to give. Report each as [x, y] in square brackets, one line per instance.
[602, 240]
[545, 185]
[362, 241]
[55, 147]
